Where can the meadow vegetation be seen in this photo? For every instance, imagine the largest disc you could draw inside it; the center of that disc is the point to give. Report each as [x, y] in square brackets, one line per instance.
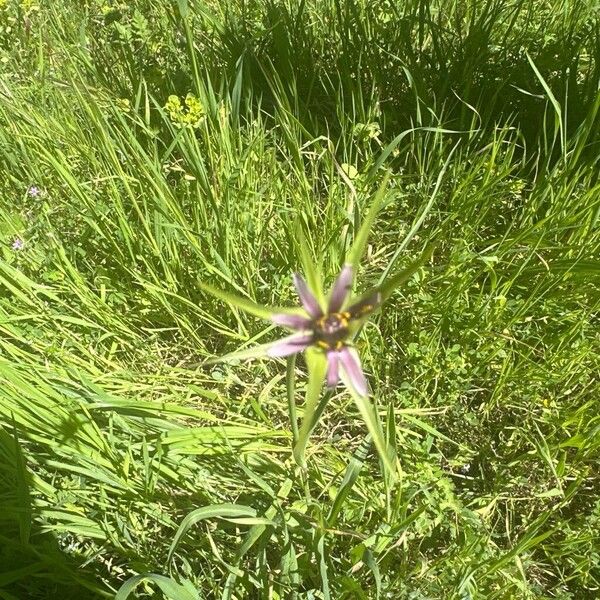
[150, 147]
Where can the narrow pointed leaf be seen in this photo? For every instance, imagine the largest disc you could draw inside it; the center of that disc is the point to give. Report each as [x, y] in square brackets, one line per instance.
[371, 419]
[350, 477]
[388, 286]
[290, 576]
[245, 304]
[259, 351]
[390, 430]
[22, 493]
[249, 521]
[183, 8]
[208, 512]
[254, 534]
[316, 363]
[360, 241]
[170, 588]
[320, 539]
[555, 103]
[290, 381]
[370, 561]
[422, 215]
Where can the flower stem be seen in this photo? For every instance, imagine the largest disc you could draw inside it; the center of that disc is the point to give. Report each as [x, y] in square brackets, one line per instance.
[291, 390]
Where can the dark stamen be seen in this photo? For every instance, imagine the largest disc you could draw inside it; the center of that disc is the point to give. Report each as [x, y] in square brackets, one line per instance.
[331, 330]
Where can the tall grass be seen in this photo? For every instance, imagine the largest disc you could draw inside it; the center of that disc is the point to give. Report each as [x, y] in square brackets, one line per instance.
[484, 366]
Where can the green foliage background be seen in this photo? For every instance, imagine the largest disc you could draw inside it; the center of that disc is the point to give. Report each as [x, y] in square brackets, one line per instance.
[177, 141]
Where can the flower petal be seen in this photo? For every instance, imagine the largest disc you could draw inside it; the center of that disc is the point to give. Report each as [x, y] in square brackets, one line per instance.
[341, 288]
[308, 300]
[353, 370]
[290, 345]
[333, 372]
[297, 322]
[365, 305]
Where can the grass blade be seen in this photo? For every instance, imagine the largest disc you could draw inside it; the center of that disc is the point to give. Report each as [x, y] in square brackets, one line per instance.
[169, 587]
[208, 512]
[357, 250]
[244, 304]
[316, 363]
[389, 285]
[371, 419]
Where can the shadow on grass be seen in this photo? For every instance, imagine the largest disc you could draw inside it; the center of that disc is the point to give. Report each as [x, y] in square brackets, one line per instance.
[32, 563]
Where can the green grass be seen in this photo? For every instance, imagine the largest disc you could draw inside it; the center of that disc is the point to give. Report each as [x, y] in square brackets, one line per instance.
[123, 454]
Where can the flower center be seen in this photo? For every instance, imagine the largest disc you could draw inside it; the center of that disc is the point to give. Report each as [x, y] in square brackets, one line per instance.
[331, 330]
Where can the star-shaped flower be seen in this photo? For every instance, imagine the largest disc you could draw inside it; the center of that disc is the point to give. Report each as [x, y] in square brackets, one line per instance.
[329, 328]
[325, 329]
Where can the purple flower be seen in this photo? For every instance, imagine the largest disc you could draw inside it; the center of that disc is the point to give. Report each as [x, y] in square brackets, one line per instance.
[330, 330]
[18, 244]
[33, 191]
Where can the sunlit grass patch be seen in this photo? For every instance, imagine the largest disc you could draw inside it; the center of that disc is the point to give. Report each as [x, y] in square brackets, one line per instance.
[152, 149]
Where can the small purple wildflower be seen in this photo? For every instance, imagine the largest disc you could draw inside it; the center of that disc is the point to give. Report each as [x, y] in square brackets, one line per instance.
[33, 191]
[18, 244]
[329, 330]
